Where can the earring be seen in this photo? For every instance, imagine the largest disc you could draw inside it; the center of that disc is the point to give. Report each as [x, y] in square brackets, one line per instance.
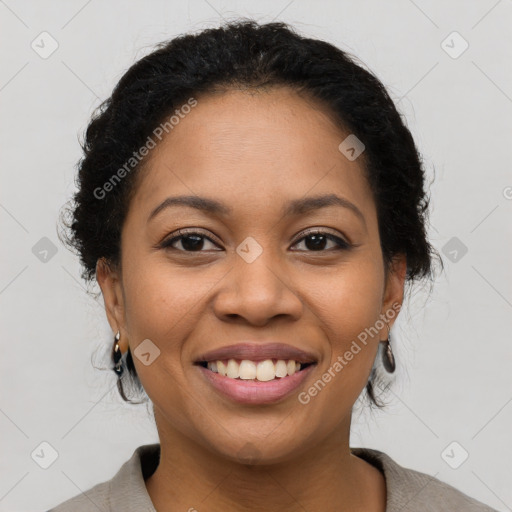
[388, 359]
[117, 355]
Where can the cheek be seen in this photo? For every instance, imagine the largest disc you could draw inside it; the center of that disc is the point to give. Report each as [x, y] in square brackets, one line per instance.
[350, 298]
[162, 305]
[347, 310]
[163, 302]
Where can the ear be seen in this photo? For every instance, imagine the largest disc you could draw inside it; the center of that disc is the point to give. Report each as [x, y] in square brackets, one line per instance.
[393, 292]
[111, 287]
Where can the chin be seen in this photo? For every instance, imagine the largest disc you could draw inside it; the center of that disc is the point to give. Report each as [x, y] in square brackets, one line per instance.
[257, 450]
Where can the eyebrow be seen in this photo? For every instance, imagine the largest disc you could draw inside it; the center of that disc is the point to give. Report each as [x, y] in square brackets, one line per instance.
[293, 208]
[311, 203]
[199, 203]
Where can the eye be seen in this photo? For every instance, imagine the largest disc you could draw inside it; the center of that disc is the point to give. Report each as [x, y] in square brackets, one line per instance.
[190, 241]
[317, 241]
[194, 241]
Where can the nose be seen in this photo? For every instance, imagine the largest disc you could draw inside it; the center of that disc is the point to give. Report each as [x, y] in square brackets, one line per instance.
[257, 292]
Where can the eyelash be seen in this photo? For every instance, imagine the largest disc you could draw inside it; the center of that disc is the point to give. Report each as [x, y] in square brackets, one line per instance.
[342, 244]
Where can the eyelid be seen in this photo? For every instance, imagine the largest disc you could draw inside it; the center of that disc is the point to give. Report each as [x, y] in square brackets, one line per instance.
[340, 239]
[168, 240]
[321, 231]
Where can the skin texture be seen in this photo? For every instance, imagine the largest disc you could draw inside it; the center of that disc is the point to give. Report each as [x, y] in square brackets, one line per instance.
[254, 152]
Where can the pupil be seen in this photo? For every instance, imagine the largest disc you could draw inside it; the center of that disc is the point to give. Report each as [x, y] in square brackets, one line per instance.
[318, 242]
[197, 242]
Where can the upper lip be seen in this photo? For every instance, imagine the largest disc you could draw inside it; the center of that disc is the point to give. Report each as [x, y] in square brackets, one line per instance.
[258, 352]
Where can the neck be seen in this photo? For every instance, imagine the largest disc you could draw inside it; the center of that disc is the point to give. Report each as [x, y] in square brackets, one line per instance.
[327, 477]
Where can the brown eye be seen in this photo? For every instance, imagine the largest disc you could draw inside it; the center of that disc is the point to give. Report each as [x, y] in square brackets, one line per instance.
[190, 242]
[318, 241]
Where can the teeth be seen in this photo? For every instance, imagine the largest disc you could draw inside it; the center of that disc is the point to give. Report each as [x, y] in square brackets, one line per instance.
[221, 368]
[265, 370]
[233, 369]
[247, 370]
[281, 369]
[251, 370]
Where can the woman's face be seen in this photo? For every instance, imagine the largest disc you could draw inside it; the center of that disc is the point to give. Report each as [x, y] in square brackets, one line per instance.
[253, 276]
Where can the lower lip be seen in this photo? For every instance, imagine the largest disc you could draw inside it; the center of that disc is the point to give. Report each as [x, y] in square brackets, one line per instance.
[253, 391]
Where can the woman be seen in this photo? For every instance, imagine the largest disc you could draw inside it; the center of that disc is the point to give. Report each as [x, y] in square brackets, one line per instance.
[252, 207]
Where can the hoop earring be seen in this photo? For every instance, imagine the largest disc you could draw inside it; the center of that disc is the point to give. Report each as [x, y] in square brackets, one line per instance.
[117, 355]
[388, 359]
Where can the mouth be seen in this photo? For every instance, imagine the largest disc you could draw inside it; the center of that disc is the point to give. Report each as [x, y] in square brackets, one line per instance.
[256, 361]
[253, 391]
[255, 373]
[261, 371]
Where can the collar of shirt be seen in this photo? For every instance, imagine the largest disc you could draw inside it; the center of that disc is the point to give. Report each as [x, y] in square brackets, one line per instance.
[128, 490]
[406, 488]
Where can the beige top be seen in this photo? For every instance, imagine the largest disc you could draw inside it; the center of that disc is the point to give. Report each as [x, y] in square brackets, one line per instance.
[407, 490]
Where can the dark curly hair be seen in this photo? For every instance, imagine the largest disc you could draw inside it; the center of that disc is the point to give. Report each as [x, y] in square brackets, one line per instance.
[247, 54]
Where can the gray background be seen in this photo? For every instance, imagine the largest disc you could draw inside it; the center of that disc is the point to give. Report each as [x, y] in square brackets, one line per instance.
[453, 348]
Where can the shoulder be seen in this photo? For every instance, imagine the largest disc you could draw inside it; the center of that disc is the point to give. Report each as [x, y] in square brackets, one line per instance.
[96, 498]
[125, 492]
[410, 490]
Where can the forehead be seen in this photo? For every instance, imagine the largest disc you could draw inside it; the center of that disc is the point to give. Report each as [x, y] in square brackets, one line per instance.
[253, 149]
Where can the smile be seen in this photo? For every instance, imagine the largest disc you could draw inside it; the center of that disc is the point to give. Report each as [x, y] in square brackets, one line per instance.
[248, 382]
[262, 371]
